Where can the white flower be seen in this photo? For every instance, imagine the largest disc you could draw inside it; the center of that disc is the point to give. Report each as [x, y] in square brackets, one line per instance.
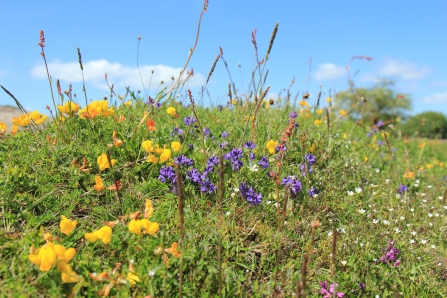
[151, 273]
[233, 194]
[386, 222]
[413, 233]
[362, 244]
[424, 201]
[412, 209]
[377, 170]
[236, 189]
[398, 195]
[423, 194]
[387, 180]
[429, 186]
[227, 213]
[417, 181]
[350, 193]
[402, 218]
[343, 263]
[396, 230]
[412, 241]
[430, 224]
[436, 214]
[430, 215]
[268, 202]
[445, 207]
[415, 185]
[358, 189]
[253, 168]
[390, 209]
[276, 205]
[433, 246]
[362, 211]
[375, 221]
[329, 234]
[423, 241]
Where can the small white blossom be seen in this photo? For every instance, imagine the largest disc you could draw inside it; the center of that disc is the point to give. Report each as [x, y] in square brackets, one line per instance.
[358, 189]
[433, 246]
[412, 209]
[386, 222]
[236, 189]
[413, 233]
[375, 221]
[402, 218]
[417, 181]
[343, 263]
[430, 215]
[350, 193]
[390, 209]
[396, 230]
[268, 202]
[151, 273]
[227, 213]
[429, 186]
[423, 194]
[362, 211]
[412, 241]
[377, 170]
[387, 181]
[423, 241]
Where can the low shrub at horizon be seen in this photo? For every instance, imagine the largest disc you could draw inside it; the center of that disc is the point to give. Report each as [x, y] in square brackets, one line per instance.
[90, 204]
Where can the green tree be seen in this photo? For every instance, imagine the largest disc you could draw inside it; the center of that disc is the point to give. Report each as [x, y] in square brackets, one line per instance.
[428, 125]
[378, 102]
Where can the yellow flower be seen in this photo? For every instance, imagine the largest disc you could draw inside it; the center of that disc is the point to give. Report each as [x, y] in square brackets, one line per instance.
[132, 278]
[103, 162]
[38, 117]
[158, 150]
[271, 146]
[428, 166]
[22, 120]
[344, 136]
[303, 103]
[318, 122]
[67, 226]
[152, 158]
[171, 111]
[135, 226]
[365, 159]
[64, 254]
[128, 103]
[117, 142]
[176, 146]
[149, 227]
[14, 129]
[328, 99]
[147, 145]
[149, 209]
[3, 128]
[44, 257]
[104, 234]
[312, 148]
[319, 112]
[165, 155]
[68, 108]
[343, 113]
[67, 273]
[234, 101]
[99, 185]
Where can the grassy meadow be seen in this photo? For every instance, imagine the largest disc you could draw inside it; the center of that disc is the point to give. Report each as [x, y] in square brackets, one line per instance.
[156, 196]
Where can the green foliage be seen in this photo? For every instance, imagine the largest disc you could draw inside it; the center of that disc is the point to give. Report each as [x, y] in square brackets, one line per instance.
[378, 102]
[431, 125]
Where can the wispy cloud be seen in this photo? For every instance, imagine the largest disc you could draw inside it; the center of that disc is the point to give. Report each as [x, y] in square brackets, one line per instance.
[439, 83]
[329, 71]
[403, 69]
[436, 98]
[117, 74]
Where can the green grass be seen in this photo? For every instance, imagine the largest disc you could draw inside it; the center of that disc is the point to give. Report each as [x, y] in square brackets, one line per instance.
[39, 183]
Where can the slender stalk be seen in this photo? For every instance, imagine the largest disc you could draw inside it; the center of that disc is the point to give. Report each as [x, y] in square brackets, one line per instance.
[118, 194]
[181, 205]
[221, 195]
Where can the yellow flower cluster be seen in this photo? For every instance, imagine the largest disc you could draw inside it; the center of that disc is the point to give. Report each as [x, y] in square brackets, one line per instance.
[47, 255]
[69, 108]
[67, 225]
[97, 108]
[165, 153]
[26, 119]
[104, 234]
[3, 128]
[151, 228]
[171, 111]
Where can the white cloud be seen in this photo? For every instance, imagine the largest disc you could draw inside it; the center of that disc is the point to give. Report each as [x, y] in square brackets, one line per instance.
[117, 74]
[436, 98]
[329, 71]
[369, 77]
[403, 69]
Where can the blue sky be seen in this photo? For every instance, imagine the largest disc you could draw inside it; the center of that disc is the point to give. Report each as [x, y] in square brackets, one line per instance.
[407, 40]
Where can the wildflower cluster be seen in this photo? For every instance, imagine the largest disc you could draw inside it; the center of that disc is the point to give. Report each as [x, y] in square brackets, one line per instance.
[248, 193]
[294, 185]
[26, 119]
[96, 109]
[329, 291]
[391, 253]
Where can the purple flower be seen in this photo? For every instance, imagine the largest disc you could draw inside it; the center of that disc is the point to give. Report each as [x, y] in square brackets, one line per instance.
[223, 145]
[391, 253]
[327, 292]
[250, 145]
[264, 162]
[294, 185]
[402, 189]
[304, 169]
[252, 155]
[362, 286]
[193, 175]
[380, 123]
[310, 158]
[189, 120]
[313, 192]
[248, 193]
[380, 143]
[182, 160]
[213, 161]
[224, 134]
[293, 114]
[167, 175]
[281, 147]
[190, 146]
[206, 131]
[177, 131]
